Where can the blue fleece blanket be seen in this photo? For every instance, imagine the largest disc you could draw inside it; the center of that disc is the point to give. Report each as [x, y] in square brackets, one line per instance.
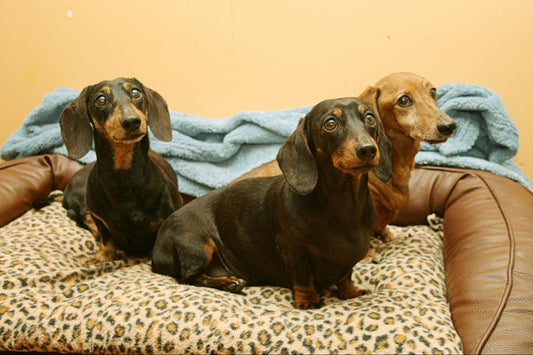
[486, 137]
[209, 153]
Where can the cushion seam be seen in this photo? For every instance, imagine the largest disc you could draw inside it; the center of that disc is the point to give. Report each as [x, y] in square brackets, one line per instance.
[510, 267]
[511, 257]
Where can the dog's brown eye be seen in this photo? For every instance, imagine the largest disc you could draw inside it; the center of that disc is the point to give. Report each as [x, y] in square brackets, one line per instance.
[433, 93]
[135, 93]
[405, 101]
[101, 100]
[370, 119]
[331, 125]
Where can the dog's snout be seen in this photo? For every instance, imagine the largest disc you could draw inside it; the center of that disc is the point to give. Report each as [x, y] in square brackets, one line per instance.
[367, 152]
[447, 128]
[131, 123]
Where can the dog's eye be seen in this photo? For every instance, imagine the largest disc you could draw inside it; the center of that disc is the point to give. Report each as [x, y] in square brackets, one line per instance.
[370, 119]
[330, 125]
[101, 100]
[433, 93]
[135, 93]
[405, 101]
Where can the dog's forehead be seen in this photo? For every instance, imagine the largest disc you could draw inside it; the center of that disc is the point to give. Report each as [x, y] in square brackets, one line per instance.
[418, 85]
[113, 86]
[405, 84]
[340, 107]
[348, 107]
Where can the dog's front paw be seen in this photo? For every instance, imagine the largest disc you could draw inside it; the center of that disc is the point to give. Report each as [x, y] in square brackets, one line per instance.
[350, 291]
[307, 304]
[371, 256]
[306, 298]
[234, 284]
[105, 252]
[99, 258]
[346, 289]
[388, 235]
[224, 283]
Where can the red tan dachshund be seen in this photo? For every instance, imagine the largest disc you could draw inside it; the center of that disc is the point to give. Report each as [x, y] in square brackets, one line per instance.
[130, 190]
[407, 104]
[305, 229]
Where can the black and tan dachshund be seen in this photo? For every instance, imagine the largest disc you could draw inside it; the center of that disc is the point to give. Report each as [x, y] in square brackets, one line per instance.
[305, 229]
[130, 190]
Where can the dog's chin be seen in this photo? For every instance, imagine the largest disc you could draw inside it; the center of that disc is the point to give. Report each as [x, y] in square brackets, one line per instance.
[357, 170]
[130, 139]
[436, 141]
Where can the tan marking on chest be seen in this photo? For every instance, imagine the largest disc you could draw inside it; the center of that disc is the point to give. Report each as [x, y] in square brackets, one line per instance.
[122, 155]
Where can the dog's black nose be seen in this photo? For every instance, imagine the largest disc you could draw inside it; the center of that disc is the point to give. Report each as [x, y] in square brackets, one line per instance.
[367, 152]
[131, 123]
[447, 128]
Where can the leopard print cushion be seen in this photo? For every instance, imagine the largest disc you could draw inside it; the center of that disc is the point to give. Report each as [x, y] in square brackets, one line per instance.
[52, 300]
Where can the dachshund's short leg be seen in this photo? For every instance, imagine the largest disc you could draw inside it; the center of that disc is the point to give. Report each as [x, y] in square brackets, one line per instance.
[106, 247]
[346, 289]
[88, 221]
[195, 257]
[298, 266]
[306, 297]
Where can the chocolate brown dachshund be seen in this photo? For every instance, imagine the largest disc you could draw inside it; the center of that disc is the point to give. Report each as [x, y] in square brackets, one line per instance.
[305, 229]
[408, 108]
[130, 190]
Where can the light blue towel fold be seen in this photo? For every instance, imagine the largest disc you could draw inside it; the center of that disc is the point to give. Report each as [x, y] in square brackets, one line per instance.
[486, 137]
[208, 153]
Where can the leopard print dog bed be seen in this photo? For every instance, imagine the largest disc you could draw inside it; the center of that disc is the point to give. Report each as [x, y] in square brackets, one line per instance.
[52, 300]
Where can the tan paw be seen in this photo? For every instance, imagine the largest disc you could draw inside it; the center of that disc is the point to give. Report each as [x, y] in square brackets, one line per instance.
[388, 235]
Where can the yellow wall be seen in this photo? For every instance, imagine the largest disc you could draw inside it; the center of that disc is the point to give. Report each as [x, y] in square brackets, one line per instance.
[215, 57]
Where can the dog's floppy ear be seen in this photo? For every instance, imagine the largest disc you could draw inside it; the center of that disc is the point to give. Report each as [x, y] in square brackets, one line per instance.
[384, 170]
[76, 127]
[158, 115]
[296, 161]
